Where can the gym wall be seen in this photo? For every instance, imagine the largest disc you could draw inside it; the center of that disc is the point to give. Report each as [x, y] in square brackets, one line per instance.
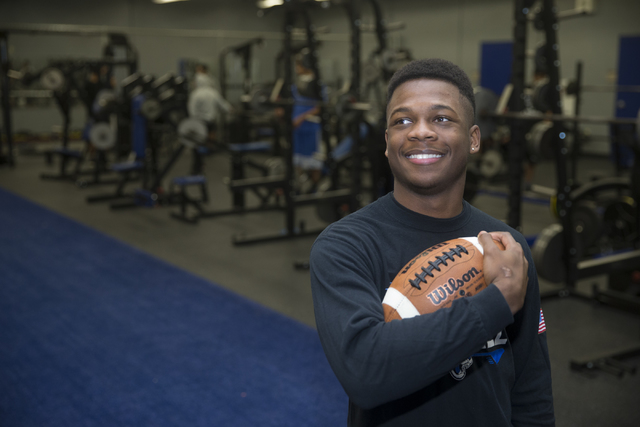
[452, 30]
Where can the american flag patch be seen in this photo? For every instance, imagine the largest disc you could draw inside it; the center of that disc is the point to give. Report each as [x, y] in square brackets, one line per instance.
[542, 327]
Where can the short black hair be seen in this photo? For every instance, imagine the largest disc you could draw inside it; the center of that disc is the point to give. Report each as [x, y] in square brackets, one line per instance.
[436, 69]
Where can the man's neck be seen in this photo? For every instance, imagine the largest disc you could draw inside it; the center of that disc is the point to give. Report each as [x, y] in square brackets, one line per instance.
[441, 205]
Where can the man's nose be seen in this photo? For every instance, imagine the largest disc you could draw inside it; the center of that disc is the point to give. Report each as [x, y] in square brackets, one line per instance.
[422, 130]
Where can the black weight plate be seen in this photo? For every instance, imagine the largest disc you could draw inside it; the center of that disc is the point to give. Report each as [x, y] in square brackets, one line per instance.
[547, 254]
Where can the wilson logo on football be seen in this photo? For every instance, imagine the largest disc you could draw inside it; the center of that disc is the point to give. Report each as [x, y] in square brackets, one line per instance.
[452, 285]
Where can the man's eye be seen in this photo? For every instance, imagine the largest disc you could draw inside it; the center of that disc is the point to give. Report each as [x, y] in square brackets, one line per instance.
[403, 121]
[442, 119]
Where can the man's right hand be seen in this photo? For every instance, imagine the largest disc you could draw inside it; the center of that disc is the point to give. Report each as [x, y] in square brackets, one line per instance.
[507, 269]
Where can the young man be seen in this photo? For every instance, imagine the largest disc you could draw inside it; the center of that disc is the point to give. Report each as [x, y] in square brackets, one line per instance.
[484, 360]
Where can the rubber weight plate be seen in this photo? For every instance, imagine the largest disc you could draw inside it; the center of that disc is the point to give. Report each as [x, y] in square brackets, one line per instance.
[52, 79]
[547, 254]
[587, 225]
[486, 102]
[192, 132]
[102, 136]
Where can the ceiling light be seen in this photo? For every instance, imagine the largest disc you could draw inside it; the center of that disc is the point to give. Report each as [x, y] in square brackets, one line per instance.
[166, 1]
[266, 4]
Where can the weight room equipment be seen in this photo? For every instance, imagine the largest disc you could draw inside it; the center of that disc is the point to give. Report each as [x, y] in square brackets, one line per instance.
[286, 182]
[62, 78]
[251, 129]
[329, 202]
[574, 206]
[164, 119]
[253, 120]
[137, 165]
[66, 80]
[382, 62]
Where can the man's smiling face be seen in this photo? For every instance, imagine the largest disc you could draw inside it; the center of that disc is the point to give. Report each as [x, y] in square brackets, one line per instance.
[429, 136]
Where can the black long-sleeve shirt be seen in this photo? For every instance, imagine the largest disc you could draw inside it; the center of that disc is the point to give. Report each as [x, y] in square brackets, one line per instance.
[470, 364]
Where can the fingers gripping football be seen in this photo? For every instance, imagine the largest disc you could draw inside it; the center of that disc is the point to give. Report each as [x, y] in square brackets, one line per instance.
[507, 269]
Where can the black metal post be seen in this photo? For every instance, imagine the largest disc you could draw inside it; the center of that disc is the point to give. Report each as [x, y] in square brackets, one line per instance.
[353, 11]
[516, 145]
[289, 22]
[576, 149]
[6, 101]
[564, 203]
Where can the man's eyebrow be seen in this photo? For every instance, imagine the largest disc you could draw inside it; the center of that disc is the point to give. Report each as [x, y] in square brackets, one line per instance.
[432, 108]
[400, 110]
[442, 107]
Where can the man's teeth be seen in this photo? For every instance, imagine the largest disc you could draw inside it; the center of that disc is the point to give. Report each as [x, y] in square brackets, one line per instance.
[424, 156]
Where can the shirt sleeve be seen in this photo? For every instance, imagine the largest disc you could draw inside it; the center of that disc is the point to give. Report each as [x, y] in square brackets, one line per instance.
[377, 362]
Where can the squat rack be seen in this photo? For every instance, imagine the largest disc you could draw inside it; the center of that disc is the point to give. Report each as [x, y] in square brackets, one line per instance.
[575, 268]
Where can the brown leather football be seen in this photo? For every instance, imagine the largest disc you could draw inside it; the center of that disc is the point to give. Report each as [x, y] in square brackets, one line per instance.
[435, 278]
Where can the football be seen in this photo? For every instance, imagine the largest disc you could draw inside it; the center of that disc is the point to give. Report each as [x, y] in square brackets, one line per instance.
[435, 278]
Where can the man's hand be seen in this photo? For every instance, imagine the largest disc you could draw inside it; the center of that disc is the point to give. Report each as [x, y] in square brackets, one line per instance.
[506, 269]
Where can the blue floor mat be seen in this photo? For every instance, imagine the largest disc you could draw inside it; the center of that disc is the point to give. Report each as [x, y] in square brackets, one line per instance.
[96, 333]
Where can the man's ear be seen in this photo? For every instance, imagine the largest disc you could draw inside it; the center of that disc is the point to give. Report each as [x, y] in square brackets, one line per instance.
[386, 140]
[474, 139]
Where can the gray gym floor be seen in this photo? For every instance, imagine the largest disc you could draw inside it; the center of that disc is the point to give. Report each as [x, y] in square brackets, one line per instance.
[265, 272]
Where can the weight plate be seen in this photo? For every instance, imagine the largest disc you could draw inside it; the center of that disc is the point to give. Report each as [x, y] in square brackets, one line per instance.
[540, 96]
[260, 99]
[52, 79]
[587, 225]
[105, 101]
[547, 254]
[106, 96]
[619, 220]
[176, 115]
[596, 189]
[102, 136]
[491, 163]
[486, 102]
[192, 131]
[534, 138]
[151, 109]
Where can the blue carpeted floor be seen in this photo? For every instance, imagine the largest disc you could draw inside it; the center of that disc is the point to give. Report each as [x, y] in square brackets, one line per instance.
[96, 333]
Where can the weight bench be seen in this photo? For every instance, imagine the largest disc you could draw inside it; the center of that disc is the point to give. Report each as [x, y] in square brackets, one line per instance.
[182, 182]
[66, 155]
[238, 163]
[125, 169]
